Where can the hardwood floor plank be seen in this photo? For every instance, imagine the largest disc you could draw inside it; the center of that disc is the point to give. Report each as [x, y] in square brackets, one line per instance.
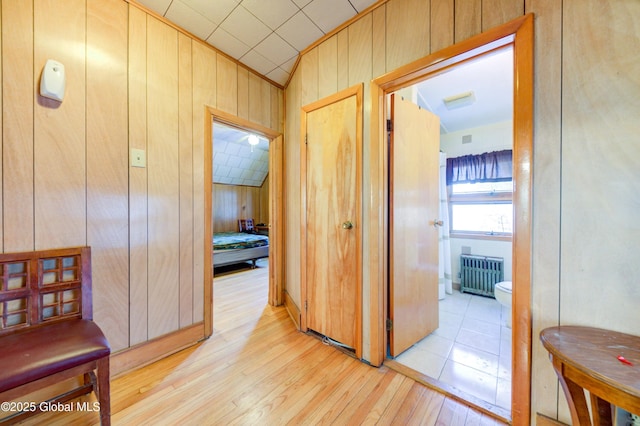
[258, 369]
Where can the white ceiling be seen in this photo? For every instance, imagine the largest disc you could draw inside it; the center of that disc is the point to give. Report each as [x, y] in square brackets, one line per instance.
[265, 35]
[490, 78]
[235, 162]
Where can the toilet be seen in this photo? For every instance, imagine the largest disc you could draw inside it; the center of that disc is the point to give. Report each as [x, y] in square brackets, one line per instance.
[502, 291]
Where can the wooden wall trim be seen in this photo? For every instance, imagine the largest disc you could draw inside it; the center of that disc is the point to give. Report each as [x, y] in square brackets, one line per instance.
[153, 350]
[518, 33]
[292, 309]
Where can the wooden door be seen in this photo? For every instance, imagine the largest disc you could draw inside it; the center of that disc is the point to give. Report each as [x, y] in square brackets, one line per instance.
[331, 217]
[413, 247]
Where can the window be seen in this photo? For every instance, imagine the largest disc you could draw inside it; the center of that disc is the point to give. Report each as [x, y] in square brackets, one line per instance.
[482, 208]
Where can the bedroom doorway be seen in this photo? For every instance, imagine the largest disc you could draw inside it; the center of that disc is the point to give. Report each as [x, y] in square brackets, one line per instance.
[518, 34]
[248, 168]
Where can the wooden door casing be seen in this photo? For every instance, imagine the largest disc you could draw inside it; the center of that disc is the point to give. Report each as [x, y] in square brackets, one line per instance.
[331, 199]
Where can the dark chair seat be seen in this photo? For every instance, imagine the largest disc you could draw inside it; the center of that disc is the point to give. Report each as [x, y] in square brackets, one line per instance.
[42, 351]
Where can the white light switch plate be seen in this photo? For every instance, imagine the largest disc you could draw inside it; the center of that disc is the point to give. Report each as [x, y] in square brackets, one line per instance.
[138, 158]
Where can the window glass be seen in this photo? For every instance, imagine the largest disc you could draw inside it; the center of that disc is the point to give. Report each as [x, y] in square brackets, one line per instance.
[474, 188]
[487, 218]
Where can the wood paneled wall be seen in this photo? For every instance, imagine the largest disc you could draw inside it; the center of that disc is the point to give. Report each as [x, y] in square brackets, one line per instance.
[133, 81]
[586, 163]
[233, 202]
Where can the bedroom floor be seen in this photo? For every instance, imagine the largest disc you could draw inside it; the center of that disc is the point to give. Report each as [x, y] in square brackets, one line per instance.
[471, 350]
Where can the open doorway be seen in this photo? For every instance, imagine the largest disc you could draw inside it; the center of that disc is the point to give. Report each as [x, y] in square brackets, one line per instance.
[470, 350]
[243, 157]
[519, 35]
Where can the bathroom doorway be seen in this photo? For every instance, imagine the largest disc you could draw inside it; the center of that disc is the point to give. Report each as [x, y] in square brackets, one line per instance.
[470, 350]
[519, 35]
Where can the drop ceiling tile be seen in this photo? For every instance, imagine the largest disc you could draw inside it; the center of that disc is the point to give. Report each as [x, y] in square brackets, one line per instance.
[231, 148]
[181, 14]
[234, 161]
[225, 180]
[328, 14]
[222, 171]
[235, 172]
[299, 31]
[302, 3]
[276, 49]
[273, 12]
[215, 11]
[227, 43]
[278, 75]
[220, 158]
[252, 30]
[158, 6]
[361, 5]
[288, 66]
[258, 62]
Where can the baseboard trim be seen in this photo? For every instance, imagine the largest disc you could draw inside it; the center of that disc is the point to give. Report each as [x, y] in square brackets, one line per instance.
[146, 353]
[292, 309]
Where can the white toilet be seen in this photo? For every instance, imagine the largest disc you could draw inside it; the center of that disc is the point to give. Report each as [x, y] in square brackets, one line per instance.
[502, 292]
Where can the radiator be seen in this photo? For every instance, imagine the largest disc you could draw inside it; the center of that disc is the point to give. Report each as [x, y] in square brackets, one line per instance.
[479, 274]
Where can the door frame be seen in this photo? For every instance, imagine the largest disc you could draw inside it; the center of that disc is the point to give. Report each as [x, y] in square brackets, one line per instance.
[519, 34]
[276, 231]
[357, 91]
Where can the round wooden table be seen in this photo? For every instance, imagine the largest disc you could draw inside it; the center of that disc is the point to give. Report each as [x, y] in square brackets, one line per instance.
[587, 358]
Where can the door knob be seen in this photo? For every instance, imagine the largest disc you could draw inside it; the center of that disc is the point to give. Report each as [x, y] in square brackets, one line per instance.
[437, 223]
[347, 225]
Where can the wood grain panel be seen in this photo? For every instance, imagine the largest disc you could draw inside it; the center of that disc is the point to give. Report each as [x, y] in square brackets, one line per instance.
[442, 24]
[233, 202]
[292, 192]
[163, 174]
[407, 31]
[243, 93]
[107, 170]
[59, 128]
[263, 211]
[343, 59]
[276, 220]
[1, 142]
[259, 100]
[600, 89]
[277, 109]
[497, 12]
[546, 220]
[227, 85]
[309, 67]
[360, 50]
[18, 96]
[185, 131]
[379, 60]
[328, 72]
[468, 19]
[138, 220]
[204, 94]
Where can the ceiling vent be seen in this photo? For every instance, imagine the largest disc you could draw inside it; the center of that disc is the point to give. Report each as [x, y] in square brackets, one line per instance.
[460, 100]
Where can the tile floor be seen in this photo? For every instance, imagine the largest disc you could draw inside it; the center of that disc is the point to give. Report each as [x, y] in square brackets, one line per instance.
[471, 349]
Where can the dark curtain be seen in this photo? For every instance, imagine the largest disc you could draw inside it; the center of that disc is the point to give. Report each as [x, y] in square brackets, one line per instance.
[494, 166]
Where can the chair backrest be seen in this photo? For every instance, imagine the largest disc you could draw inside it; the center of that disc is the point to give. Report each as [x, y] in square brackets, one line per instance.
[44, 286]
[245, 225]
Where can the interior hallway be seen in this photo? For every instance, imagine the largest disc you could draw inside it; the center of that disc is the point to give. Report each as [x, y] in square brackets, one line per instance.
[258, 369]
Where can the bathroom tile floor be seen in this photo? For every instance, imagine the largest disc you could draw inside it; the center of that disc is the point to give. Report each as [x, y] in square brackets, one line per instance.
[471, 349]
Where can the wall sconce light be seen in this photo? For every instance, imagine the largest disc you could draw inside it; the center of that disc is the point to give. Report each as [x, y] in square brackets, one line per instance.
[53, 80]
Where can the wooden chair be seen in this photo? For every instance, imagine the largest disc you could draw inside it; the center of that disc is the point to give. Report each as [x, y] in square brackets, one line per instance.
[46, 330]
[245, 225]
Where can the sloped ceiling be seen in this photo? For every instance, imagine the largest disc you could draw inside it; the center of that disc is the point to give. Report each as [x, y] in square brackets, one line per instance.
[265, 35]
[235, 162]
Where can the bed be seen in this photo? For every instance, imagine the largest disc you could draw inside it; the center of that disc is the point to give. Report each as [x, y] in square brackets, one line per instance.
[238, 247]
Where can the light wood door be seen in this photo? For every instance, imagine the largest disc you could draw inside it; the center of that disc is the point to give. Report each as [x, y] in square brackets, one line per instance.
[332, 212]
[413, 196]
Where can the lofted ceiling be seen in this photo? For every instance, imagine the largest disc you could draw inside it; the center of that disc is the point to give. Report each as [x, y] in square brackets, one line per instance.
[265, 35]
[268, 35]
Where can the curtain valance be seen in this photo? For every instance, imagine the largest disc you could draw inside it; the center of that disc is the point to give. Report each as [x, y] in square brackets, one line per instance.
[488, 167]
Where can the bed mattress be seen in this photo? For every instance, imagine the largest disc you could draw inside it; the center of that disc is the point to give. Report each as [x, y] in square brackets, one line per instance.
[238, 240]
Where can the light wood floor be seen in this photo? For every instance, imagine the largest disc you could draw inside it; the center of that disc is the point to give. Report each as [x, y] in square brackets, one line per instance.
[257, 369]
